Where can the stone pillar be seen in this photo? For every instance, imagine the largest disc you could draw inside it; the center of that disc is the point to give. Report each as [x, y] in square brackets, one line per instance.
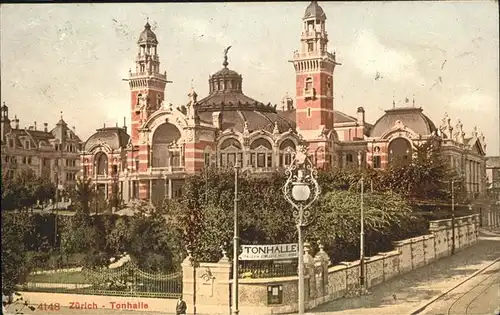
[170, 188]
[309, 271]
[325, 262]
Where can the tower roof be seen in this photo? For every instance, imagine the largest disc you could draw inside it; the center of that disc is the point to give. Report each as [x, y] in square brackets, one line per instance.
[313, 10]
[147, 36]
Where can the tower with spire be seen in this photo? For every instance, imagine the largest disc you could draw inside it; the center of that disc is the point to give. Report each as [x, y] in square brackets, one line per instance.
[147, 83]
[314, 67]
[5, 121]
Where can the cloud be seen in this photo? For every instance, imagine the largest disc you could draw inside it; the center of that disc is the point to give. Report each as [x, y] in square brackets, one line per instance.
[370, 56]
[475, 101]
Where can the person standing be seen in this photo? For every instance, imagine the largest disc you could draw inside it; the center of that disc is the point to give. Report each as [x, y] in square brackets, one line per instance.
[180, 308]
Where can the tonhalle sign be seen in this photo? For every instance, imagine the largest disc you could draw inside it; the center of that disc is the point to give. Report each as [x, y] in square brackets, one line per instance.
[269, 252]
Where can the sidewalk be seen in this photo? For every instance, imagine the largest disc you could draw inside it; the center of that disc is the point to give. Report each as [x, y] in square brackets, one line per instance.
[404, 294]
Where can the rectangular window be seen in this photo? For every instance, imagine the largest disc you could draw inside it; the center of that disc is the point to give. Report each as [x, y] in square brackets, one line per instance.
[85, 171]
[240, 159]
[11, 143]
[349, 158]
[56, 162]
[231, 159]
[24, 160]
[310, 47]
[207, 159]
[252, 160]
[377, 161]
[288, 159]
[261, 159]
[137, 166]
[269, 160]
[115, 169]
[29, 160]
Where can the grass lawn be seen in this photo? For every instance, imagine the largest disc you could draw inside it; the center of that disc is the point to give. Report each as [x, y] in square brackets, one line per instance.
[60, 277]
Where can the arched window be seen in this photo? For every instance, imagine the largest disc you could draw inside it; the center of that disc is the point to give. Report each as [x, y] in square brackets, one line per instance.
[400, 151]
[377, 160]
[230, 153]
[166, 152]
[309, 84]
[287, 148]
[101, 163]
[261, 153]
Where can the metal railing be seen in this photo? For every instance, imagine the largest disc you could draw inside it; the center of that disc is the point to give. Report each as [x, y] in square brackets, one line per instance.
[127, 280]
[267, 269]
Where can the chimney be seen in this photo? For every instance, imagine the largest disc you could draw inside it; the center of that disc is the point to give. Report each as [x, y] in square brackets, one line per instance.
[35, 124]
[124, 124]
[217, 119]
[16, 122]
[45, 127]
[74, 129]
[361, 115]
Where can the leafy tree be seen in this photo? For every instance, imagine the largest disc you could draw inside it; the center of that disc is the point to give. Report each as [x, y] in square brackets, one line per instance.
[84, 193]
[426, 177]
[15, 266]
[21, 189]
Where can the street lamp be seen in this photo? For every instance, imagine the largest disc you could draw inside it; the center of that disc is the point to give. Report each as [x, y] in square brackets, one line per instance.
[297, 191]
[236, 240]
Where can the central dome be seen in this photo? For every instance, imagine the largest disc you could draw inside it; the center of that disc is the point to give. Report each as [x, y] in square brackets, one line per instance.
[237, 109]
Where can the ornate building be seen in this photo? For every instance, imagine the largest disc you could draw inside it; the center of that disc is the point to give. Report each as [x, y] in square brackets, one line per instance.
[53, 153]
[168, 143]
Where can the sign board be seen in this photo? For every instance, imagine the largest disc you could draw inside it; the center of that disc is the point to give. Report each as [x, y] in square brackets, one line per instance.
[274, 294]
[269, 252]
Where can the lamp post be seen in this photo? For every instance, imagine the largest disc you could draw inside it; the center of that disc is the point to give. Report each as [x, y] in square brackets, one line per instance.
[362, 241]
[452, 216]
[95, 184]
[236, 240]
[301, 177]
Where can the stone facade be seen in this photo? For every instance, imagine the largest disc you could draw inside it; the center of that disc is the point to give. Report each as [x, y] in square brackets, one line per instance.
[324, 282]
[52, 153]
[168, 143]
[492, 215]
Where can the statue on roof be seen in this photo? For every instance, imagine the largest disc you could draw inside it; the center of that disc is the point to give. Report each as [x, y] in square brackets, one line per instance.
[225, 63]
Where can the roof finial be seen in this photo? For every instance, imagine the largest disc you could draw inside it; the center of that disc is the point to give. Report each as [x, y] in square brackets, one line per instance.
[61, 115]
[393, 102]
[147, 23]
[225, 63]
[413, 100]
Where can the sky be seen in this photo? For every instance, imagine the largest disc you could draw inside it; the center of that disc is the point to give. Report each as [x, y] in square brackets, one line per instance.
[73, 57]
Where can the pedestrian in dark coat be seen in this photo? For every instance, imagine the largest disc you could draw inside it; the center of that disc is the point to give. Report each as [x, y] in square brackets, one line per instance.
[180, 308]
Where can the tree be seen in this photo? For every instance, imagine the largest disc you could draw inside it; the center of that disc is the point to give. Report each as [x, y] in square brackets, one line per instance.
[22, 189]
[426, 177]
[15, 264]
[83, 193]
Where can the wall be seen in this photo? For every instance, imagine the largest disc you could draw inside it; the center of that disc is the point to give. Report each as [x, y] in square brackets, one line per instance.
[324, 283]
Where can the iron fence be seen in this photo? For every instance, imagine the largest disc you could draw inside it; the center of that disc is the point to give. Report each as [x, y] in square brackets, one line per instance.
[268, 269]
[127, 280]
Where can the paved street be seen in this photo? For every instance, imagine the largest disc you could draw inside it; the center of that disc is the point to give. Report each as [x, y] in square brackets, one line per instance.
[405, 294]
[480, 295]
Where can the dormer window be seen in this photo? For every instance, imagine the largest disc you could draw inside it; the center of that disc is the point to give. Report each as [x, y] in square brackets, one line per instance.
[310, 47]
[11, 143]
[27, 144]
